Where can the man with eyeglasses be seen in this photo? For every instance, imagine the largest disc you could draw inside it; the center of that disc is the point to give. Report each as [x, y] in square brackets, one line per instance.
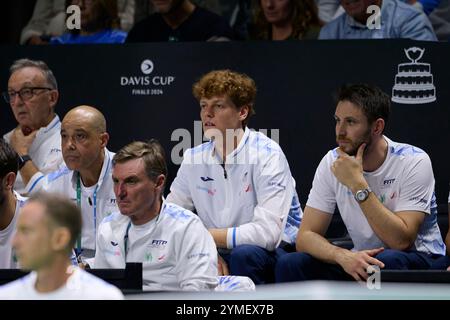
[32, 94]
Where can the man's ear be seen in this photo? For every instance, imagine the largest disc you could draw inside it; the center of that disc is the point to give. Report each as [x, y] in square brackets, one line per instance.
[160, 180]
[9, 180]
[104, 138]
[60, 238]
[378, 126]
[53, 97]
[243, 113]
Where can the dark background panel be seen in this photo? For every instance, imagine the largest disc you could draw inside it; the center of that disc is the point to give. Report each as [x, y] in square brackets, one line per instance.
[296, 82]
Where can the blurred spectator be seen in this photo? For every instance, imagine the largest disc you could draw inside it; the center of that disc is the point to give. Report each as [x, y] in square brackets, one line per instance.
[99, 24]
[180, 20]
[329, 9]
[398, 20]
[143, 8]
[440, 19]
[49, 20]
[286, 20]
[427, 6]
[47, 228]
[126, 11]
[238, 13]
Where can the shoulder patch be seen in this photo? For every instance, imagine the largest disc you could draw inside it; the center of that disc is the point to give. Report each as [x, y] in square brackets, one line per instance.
[201, 148]
[178, 213]
[405, 150]
[113, 216]
[58, 173]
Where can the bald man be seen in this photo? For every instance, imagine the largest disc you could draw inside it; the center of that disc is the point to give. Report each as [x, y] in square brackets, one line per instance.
[86, 176]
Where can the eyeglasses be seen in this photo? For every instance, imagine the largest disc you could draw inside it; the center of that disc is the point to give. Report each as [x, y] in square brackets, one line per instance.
[25, 93]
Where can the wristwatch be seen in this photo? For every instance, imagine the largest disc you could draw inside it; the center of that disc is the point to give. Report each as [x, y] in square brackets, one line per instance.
[362, 195]
[23, 159]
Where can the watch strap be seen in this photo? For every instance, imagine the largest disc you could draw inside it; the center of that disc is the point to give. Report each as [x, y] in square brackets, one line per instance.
[23, 159]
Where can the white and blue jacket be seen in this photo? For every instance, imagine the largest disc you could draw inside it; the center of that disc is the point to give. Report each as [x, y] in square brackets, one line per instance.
[95, 204]
[253, 195]
[176, 250]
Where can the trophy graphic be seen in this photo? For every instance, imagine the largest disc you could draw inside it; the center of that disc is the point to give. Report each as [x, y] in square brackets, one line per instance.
[414, 81]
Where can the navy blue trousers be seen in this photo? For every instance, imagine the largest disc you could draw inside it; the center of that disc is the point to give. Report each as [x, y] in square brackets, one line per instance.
[254, 262]
[299, 266]
[441, 264]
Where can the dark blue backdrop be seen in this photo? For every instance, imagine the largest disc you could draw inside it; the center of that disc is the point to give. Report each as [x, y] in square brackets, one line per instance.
[295, 85]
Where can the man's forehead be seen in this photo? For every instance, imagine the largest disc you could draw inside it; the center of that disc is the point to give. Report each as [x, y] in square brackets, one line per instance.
[133, 167]
[67, 126]
[77, 123]
[27, 76]
[215, 98]
[28, 72]
[347, 108]
[31, 213]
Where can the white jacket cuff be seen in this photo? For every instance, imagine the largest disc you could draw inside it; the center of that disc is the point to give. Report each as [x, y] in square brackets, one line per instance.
[231, 238]
[35, 182]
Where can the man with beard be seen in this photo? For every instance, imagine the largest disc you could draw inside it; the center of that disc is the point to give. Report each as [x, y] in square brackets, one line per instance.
[180, 20]
[10, 204]
[384, 191]
[396, 20]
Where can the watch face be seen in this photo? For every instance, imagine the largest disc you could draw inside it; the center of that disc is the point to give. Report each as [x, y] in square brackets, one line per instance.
[361, 195]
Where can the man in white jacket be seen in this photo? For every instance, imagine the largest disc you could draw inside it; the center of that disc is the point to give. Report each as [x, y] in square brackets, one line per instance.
[86, 176]
[47, 229]
[33, 94]
[176, 250]
[10, 204]
[239, 183]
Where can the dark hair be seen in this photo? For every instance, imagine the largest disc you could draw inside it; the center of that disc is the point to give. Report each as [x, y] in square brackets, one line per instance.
[151, 152]
[9, 159]
[62, 212]
[372, 100]
[105, 14]
[304, 16]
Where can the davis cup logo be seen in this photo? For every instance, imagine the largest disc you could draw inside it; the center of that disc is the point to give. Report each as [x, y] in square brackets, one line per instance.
[414, 80]
[147, 66]
[147, 83]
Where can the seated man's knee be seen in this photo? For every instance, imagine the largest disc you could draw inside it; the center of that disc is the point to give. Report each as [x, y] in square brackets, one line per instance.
[392, 259]
[245, 253]
[253, 262]
[243, 249]
[290, 267]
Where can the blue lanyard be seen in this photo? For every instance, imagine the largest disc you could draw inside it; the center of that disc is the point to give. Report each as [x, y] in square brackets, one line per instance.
[79, 206]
